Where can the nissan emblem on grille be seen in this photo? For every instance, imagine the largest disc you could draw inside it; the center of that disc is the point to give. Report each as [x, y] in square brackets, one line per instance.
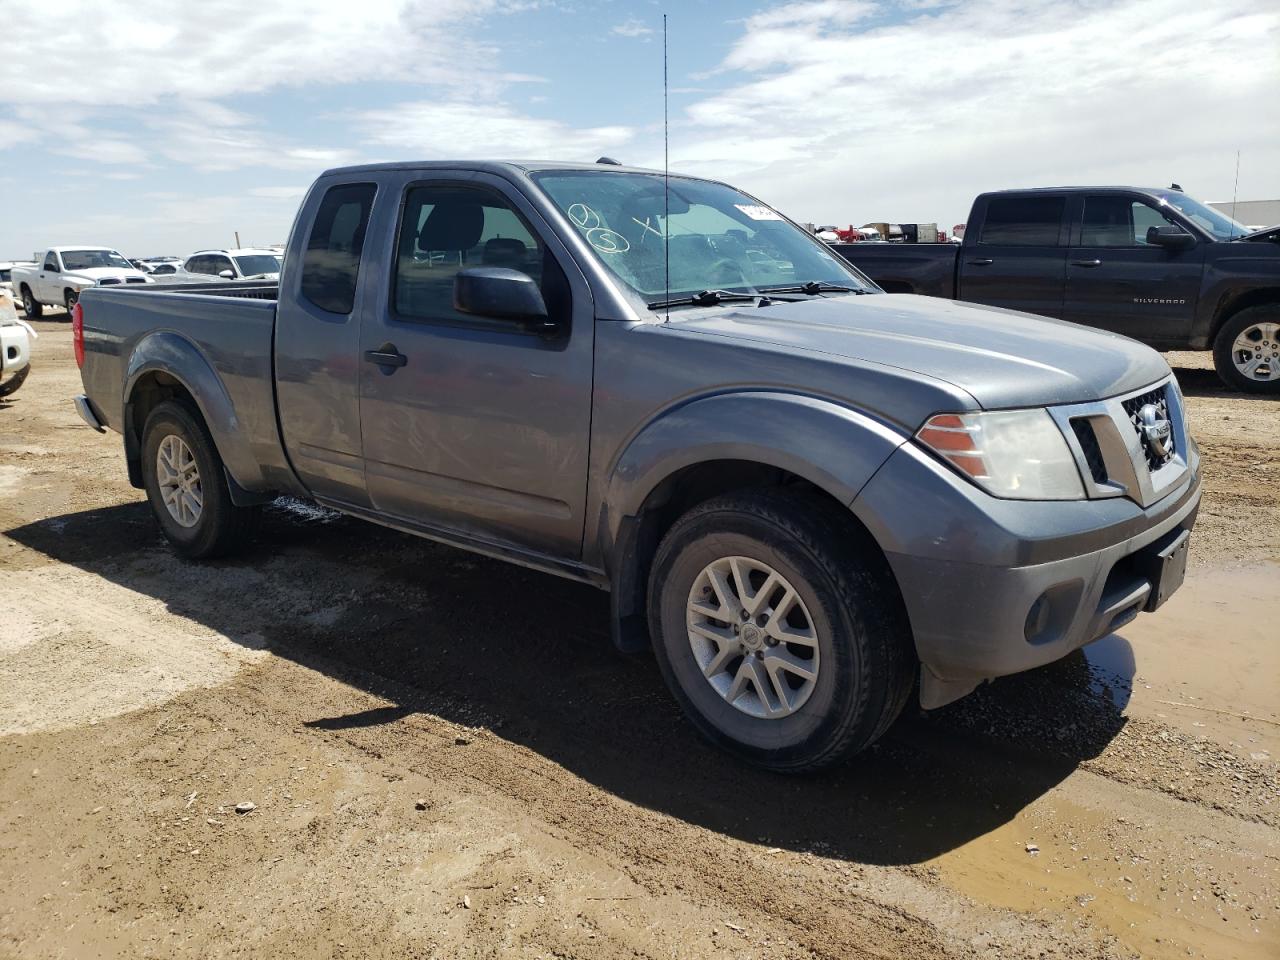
[1149, 414]
[1155, 430]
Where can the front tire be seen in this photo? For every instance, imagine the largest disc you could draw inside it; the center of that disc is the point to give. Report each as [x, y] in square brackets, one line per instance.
[11, 385]
[186, 485]
[779, 629]
[30, 305]
[69, 298]
[1246, 351]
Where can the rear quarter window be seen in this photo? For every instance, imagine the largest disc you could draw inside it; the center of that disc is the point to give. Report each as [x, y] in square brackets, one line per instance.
[331, 262]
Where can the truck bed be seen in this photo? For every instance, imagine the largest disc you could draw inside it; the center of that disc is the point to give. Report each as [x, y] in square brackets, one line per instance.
[924, 268]
[222, 333]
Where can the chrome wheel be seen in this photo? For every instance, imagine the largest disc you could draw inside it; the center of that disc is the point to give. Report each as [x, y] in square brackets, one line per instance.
[752, 637]
[178, 477]
[1256, 352]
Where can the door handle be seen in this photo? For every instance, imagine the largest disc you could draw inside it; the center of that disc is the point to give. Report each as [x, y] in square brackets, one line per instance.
[1086, 263]
[979, 263]
[386, 356]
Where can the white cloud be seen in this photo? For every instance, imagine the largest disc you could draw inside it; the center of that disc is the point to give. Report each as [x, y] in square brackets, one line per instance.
[148, 50]
[633, 28]
[838, 115]
[442, 130]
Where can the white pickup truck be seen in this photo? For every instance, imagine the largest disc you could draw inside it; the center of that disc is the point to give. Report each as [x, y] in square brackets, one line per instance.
[15, 346]
[60, 273]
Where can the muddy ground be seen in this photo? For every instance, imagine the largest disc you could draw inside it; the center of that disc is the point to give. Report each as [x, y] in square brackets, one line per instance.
[446, 758]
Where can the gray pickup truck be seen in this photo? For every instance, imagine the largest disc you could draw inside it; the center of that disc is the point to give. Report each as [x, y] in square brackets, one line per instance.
[805, 496]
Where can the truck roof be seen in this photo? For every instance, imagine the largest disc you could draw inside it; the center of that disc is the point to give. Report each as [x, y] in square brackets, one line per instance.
[489, 166]
[1079, 189]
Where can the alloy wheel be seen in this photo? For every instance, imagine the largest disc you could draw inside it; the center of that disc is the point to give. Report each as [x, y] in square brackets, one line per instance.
[1256, 352]
[752, 637]
[178, 476]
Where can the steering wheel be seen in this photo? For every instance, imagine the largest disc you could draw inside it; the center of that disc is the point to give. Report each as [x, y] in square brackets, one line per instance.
[725, 271]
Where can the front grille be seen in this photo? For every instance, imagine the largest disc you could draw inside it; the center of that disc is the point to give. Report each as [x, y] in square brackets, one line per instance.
[134, 280]
[108, 281]
[1157, 398]
[1089, 446]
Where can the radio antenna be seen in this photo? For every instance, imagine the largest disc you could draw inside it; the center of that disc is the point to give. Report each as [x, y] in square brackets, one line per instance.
[1235, 192]
[666, 177]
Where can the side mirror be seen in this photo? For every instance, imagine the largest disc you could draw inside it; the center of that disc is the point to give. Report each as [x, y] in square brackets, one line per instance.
[227, 274]
[503, 294]
[1170, 237]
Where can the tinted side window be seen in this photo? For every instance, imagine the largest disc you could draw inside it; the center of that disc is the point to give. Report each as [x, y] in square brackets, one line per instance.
[331, 262]
[1118, 222]
[51, 263]
[448, 229]
[198, 265]
[1023, 221]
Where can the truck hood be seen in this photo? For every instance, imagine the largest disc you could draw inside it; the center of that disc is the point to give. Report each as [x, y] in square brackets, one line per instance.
[98, 273]
[1002, 358]
[1265, 235]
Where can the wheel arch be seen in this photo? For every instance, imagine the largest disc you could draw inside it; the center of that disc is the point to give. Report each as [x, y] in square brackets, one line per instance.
[691, 454]
[166, 366]
[1259, 297]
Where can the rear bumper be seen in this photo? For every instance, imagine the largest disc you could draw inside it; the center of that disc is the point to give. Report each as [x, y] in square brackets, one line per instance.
[971, 577]
[88, 414]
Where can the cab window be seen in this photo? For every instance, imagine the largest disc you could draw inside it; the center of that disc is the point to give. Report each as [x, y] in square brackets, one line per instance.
[1028, 221]
[331, 262]
[447, 229]
[1118, 222]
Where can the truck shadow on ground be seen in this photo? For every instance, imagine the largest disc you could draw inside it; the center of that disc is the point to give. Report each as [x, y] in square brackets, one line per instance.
[482, 643]
[1197, 382]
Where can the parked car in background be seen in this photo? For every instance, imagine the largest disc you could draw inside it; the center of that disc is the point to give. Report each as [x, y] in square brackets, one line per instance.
[809, 499]
[15, 346]
[6, 278]
[1151, 264]
[60, 274]
[241, 264]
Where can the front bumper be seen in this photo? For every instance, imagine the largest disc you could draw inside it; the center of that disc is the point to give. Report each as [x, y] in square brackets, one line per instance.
[15, 347]
[971, 568]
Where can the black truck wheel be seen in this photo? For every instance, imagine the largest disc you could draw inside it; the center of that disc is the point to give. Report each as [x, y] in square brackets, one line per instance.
[10, 384]
[30, 305]
[186, 485]
[1246, 352]
[779, 630]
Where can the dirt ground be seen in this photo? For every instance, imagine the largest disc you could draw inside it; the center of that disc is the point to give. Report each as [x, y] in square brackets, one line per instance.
[447, 759]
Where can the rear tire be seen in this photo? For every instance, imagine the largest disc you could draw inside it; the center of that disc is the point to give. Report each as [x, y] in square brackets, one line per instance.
[1246, 351]
[186, 485]
[802, 705]
[32, 307]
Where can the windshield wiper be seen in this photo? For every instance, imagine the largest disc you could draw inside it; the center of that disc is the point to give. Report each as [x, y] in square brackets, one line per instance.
[707, 298]
[813, 288]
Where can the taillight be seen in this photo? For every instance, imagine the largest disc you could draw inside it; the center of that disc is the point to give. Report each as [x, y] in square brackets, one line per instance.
[77, 332]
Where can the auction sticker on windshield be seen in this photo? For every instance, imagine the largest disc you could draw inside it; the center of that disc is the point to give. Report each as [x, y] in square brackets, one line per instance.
[758, 212]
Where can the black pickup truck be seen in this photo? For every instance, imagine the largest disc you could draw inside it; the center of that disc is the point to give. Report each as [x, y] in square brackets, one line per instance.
[1154, 265]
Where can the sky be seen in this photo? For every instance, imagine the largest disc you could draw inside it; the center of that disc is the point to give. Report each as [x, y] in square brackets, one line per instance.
[164, 127]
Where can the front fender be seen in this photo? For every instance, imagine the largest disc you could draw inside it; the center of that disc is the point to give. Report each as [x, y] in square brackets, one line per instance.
[835, 448]
[172, 354]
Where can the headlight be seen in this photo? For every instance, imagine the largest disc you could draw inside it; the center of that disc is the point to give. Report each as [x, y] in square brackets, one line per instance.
[1019, 454]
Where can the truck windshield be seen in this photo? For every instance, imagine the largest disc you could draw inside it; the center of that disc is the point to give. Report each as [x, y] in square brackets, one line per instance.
[1219, 225]
[92, 259]
[255, 264]
[719, 239]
